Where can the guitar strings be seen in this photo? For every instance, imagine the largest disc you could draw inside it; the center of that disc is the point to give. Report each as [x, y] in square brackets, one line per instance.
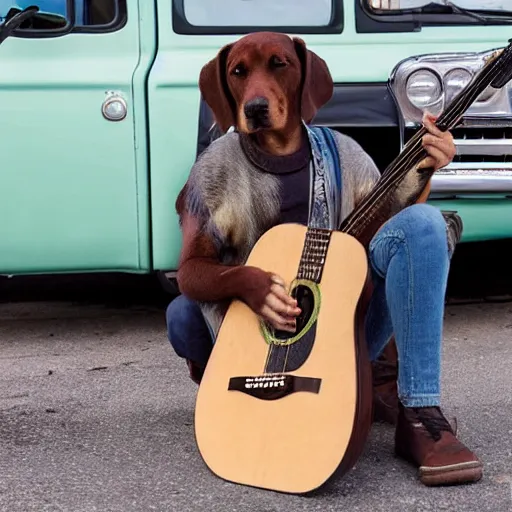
[269, 354]
[288, 346]
[307, 242]
[315, 246]
[271, 349]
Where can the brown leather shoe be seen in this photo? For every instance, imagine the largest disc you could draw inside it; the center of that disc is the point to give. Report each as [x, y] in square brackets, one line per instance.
[425, 438]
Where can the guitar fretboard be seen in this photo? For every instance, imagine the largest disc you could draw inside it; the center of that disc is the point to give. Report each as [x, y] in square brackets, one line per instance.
[314, 254]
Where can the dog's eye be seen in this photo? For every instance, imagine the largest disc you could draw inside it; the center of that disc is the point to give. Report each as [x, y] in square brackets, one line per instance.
[239, 70]
[276, 62]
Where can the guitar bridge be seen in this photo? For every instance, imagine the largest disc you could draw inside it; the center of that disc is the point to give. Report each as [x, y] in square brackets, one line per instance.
[274, 386]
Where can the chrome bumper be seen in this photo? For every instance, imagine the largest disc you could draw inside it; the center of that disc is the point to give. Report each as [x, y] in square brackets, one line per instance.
[483, 164]
[493, 147]
[471, 181]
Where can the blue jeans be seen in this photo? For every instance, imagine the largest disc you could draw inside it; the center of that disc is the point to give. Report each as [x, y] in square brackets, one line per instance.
[409, 259]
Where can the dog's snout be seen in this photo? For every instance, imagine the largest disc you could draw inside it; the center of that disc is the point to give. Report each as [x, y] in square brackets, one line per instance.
[256, 108]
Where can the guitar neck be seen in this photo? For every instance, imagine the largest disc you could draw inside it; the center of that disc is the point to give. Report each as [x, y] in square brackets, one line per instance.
[387, 197]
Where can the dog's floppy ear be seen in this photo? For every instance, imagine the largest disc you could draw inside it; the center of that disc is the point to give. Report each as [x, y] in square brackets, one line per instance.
[214, 89]
[317, 83]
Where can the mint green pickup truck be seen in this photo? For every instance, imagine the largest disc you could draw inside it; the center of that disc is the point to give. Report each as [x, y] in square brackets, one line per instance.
[101, 116]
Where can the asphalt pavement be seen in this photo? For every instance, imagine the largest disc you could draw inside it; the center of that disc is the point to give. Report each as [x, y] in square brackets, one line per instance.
[96, 414]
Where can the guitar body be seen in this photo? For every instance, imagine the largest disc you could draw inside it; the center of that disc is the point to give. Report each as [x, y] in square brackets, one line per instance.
[293, 436]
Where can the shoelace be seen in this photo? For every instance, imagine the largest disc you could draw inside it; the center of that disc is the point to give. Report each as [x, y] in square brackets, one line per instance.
[434, 422]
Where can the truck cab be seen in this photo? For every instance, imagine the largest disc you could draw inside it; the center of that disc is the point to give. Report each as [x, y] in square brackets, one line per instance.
[101, 117]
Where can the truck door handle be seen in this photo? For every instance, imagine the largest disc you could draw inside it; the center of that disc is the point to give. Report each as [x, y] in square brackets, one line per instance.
[114, 106]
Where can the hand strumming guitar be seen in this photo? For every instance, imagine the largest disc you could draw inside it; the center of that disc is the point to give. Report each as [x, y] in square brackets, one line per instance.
[279, 309]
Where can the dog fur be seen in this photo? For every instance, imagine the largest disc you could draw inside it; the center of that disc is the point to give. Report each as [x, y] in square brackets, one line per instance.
[295, 81]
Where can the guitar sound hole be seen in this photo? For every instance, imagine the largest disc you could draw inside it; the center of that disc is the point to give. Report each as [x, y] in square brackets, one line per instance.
[306, 303]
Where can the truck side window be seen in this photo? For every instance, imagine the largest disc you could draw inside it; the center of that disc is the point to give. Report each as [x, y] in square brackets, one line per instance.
[48, 6]
[95, 12]
[88, 13]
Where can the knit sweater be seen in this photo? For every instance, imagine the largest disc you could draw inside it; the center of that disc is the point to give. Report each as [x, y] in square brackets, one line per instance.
[233, 195]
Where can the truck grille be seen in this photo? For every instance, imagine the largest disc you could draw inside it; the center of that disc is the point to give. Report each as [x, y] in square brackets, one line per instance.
[484, 146]
[488, 146]
[483, 162]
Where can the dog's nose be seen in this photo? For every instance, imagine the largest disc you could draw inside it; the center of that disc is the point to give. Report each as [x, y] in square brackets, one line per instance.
[257, 107]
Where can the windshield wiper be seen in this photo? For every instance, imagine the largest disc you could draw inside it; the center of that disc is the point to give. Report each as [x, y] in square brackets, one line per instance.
[13, 22]
[448, 7]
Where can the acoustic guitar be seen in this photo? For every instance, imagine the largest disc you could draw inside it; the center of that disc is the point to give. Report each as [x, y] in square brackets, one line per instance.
[287, 411]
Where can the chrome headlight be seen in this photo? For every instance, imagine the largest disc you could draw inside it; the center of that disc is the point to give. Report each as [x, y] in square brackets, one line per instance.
[424, 88]
[431, 82]
[455, 81]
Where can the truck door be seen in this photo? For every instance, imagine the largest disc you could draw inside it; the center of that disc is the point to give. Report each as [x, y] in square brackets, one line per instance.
[73, 172]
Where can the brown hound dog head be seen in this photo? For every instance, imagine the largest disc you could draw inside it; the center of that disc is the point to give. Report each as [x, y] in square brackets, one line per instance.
[265, 81]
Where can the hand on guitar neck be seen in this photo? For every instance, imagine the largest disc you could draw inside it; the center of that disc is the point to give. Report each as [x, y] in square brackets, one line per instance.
[440, 147]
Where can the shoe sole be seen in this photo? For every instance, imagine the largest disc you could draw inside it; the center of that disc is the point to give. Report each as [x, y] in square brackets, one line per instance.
[462, 473]
[465, 472]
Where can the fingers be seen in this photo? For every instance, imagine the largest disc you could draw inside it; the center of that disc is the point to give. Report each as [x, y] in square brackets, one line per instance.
[276, 320]
[279, 289]
[438, 155]
[439, 145]
[442, 150]
[445, 143]
[436, 136]
[281, 294]
[280, 309]
[429, 121]
[278, 280]
[280, 306]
